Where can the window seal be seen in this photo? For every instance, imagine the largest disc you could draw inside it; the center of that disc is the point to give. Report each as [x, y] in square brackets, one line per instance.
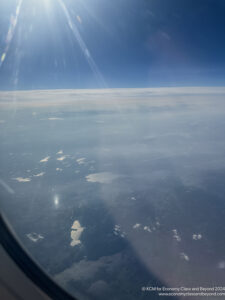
[32, 270]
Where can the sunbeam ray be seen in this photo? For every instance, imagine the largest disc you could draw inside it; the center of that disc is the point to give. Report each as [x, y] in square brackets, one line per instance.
[11, 31]
[83, 46]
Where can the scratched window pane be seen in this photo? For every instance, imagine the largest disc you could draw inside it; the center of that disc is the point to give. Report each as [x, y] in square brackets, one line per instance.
[112, 143]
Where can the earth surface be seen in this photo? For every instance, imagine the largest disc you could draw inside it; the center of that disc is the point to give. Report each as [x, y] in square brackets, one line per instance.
[111, 191]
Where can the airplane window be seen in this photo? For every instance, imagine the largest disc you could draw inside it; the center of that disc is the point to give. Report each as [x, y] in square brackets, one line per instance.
[112, 143]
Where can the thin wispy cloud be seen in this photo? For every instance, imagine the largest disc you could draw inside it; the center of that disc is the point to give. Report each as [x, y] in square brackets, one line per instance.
[21, 179]
[45, 159]
[39, 174]
[102, 177]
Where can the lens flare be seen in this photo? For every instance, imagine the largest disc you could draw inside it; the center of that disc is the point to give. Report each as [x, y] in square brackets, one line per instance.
[83, 46]
[11, 31]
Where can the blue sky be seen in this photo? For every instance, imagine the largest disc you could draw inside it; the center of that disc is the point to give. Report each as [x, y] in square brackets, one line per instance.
[103, 43]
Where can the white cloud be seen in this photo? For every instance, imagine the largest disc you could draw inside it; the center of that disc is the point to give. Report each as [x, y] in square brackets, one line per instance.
[137, 225]
[81, 160]
[87, 269]
[58, 169]
[197, 236]
[21, 179]
[45, 159]
[34, 237]
[117, 231]
[96, 98]
[76, 231]
[184, 256]
[147, 228]
[60, 152]
[39, 174]
[102, 177]
[54, 119]
[176, 236]
[61, 158]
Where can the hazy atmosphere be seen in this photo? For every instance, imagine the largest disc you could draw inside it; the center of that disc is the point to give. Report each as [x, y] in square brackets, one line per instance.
[124, 186]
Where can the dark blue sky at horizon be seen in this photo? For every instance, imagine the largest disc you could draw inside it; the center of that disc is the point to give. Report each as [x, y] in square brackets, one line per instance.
[121, 43]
